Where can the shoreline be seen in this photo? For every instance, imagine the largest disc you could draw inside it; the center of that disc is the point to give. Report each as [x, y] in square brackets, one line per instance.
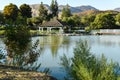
[12, 72]
[69, 34]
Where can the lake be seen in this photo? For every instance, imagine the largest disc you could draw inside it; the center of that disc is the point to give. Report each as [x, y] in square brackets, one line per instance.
[52, 49]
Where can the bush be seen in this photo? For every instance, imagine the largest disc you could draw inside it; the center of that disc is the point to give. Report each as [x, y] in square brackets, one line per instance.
[86, 66]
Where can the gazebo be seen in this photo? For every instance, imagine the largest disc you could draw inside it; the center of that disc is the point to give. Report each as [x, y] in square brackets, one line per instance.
[52, 25]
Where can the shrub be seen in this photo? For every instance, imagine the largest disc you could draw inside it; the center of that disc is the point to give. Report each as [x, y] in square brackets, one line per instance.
[86, 66]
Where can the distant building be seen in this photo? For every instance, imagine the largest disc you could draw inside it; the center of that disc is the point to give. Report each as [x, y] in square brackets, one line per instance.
[53, 24]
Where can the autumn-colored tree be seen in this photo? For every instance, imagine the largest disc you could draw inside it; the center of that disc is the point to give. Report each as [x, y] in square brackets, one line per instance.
[11, 12]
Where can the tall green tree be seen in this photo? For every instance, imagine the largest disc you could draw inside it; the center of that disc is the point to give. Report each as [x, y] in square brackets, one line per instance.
[25, 11]
[11, 12]
[66, 12]
[103, 21]
[54, 8]
[43, 12]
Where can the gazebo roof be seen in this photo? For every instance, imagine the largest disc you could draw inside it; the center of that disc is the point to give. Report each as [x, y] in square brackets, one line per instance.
[52, 23]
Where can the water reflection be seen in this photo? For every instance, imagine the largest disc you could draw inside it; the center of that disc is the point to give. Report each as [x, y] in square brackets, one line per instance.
[24, 58]
[109, 40]
[54, 43]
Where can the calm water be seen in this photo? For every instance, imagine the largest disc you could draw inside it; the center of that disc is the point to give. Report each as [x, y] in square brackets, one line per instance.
[53, 47]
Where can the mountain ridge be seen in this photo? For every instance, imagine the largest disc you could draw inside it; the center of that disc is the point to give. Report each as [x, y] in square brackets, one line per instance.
[74, 10]
[117, 9]
[77, 9]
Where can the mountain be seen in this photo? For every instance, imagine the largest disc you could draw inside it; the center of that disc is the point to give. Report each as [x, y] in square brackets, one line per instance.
[85, 8]
[88, 12]
[117, 9]
[95, 12]
[73, 9]
[35, 8]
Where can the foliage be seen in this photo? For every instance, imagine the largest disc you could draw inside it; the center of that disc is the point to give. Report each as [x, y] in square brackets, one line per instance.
[43, 12]
[87, 20]
[20, 20]
[66, 12]
[73, 21]
[20, 52]
[86, 66]
[1, 18]
[34, 21]
[17, 38]
[117, 17]
[2, 32]
[11, 12]
[25, 11]
[103, 21]
[54, 8]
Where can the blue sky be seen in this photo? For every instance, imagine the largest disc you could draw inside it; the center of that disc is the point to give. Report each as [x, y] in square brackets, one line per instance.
[99, 4]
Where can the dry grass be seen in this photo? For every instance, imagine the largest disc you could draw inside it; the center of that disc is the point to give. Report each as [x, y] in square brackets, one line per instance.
[14, 73]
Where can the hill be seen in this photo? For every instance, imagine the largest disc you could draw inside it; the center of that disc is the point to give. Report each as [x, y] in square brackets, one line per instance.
[117, 9]
[92, 12]
[35, 8]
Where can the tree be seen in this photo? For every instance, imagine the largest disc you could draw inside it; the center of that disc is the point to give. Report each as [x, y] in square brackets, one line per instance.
[87, 20]
[66, 12]
[11, 12]
[86, 66]
[54, 8]
[17, 39]
[25, 11]
[1, 18]
[103, 21]
[43, 12]
[117, 18]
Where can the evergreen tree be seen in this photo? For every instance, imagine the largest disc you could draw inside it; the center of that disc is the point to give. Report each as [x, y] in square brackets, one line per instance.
[86, 66]
[43, 12]
[54, 8]
[66, 12]
[25, 11]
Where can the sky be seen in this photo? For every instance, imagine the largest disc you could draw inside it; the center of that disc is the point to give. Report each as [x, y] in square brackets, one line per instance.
[99, 4]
